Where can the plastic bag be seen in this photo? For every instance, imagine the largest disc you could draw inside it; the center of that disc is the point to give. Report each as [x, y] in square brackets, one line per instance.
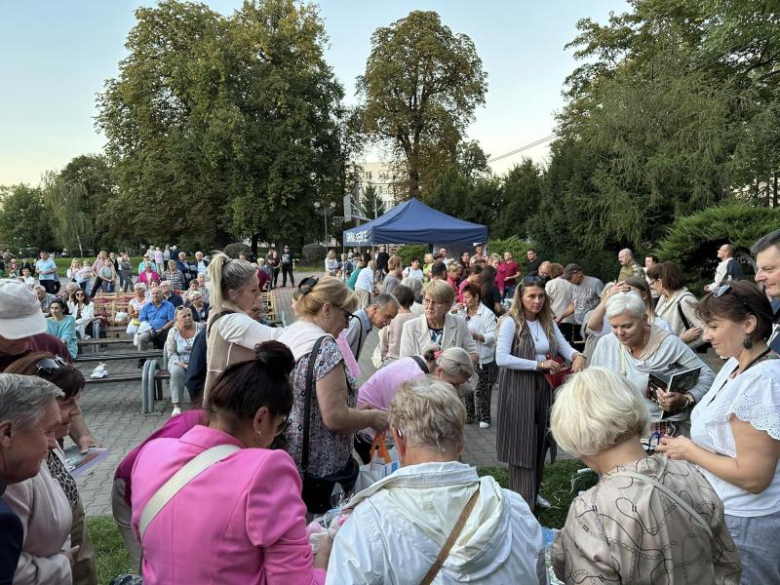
[382, 462]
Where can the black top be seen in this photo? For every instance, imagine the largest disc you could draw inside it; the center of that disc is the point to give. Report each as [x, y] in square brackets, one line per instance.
[11, 540]
[382, 258]
[195, 375]
[533, 267]
[491, 297]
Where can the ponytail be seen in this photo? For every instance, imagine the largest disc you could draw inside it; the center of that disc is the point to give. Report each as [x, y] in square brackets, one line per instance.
[226, 274]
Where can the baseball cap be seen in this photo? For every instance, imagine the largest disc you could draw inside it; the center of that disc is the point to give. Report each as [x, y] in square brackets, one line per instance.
[20, 310]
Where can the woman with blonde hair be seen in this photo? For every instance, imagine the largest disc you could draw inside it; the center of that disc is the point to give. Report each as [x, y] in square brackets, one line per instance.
[331, 263]
[437, 324]
[178, 348]
[648, 515]
[435, 505]
[451, 365]
[233, 329]
[528, 343]
[324, 414]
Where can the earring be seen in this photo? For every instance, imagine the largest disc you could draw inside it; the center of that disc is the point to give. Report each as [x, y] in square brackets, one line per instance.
[747, 343]
[258, 437]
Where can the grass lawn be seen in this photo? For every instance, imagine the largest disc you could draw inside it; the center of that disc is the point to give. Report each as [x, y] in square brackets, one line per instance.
[561, 485]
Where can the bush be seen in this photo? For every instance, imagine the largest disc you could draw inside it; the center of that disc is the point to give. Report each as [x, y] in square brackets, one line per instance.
[693, 241]
[312, 253]
[233, 250]
[409, 251]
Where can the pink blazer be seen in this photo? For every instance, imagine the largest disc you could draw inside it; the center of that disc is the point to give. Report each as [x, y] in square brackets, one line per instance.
[240, 521]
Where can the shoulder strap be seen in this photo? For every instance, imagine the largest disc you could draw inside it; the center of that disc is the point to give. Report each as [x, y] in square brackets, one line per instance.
[217, 317]
[307, 403]
[193, 468]
[421, 363]
[456, 530]
[686, 323]
[674, 497]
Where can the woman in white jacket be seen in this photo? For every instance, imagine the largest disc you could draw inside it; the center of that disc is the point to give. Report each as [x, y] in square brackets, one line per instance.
[83, 312]
[399, 526]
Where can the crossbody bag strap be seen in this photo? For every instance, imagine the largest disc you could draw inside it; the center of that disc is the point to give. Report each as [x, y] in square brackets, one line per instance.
[193, 468]
[686, 322]
[421, 363]
[675, 498]
[456, 530]
[309, 390]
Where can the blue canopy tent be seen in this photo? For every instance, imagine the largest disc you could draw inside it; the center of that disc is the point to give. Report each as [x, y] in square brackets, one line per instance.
[413, 222]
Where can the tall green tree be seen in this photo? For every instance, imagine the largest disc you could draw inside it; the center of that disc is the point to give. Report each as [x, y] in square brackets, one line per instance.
[521, 196]
[79, 201]
[421, 87]
[372, 203]
[224, 127]
[24, 221]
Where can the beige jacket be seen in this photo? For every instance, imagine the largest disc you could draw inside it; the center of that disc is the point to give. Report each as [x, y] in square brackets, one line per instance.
[672, 310]
[46, 516]
[624, 530]
[416, 336]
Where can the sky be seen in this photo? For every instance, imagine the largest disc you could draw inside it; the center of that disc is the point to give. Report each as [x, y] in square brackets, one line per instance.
[55, 57]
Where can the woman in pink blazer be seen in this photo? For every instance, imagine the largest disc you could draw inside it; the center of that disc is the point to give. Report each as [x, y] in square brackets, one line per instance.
[241, 520]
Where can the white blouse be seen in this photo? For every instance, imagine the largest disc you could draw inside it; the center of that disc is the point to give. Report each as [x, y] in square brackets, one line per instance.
[754, 397]
[506, 335]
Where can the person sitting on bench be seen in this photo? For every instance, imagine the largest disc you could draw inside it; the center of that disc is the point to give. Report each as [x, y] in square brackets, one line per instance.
[160, 316]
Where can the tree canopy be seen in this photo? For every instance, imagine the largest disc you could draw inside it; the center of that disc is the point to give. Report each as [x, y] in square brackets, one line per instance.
[421, 87]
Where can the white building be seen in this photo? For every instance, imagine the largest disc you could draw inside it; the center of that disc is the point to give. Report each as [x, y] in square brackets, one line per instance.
[385, 180]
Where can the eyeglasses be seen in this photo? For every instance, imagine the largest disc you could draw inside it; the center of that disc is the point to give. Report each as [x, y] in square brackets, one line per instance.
[726, 288]
[347, 315]
[50, 365]
[282, 427]
[427, 301]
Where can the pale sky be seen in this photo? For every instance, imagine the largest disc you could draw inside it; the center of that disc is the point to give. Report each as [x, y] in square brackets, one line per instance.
[56, 56]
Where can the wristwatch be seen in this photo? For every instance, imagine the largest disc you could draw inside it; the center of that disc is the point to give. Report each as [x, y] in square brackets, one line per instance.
[539, 367]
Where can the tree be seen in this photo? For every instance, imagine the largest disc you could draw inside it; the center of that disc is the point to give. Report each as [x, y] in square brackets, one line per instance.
[521, 195]
[421, 86]
[24, 222]
[224, 127]
[79, 200]
[372, 202]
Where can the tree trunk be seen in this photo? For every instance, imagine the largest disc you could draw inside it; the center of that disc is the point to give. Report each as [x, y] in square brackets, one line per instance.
[254, 244]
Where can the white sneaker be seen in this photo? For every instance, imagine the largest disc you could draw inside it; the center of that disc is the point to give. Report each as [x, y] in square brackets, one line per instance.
[484, 425]
[176, 411]
[542, 503]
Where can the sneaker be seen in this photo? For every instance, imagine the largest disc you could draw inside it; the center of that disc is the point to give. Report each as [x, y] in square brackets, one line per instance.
[176, 411]
[542, 503]
[484, 425]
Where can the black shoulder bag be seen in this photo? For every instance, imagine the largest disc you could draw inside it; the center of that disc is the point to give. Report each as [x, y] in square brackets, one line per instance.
[317, 490]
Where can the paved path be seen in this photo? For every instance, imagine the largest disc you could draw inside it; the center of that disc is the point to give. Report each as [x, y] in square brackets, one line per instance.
[113, 412]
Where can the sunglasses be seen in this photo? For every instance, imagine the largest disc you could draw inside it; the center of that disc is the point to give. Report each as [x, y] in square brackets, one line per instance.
[307, 284]
[726, 288]
[50, 365]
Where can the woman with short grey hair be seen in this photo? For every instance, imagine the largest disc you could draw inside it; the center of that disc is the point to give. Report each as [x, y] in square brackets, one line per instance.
[432, 500]
[29, 418]
[635, 349]
[647, 515]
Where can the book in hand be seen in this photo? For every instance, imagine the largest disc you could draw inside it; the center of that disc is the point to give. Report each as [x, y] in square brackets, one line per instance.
[675, 378]
[78, 464]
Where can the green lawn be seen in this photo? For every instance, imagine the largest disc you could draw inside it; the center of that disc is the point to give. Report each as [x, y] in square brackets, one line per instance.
[561, 485]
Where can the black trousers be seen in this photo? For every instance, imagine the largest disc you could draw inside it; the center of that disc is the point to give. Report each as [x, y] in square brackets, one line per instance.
[51, 286]
[287, 269]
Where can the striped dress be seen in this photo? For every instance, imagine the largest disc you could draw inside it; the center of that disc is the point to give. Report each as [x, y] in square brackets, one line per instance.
[524, 400]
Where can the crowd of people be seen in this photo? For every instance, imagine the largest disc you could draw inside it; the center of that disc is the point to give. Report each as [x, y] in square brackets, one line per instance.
[688, 490]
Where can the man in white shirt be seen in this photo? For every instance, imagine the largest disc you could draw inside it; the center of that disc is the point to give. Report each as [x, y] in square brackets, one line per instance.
[728, 268]
[364, 286]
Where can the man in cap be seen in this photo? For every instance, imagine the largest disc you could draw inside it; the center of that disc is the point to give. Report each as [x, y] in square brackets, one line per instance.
[23, 331]
[585, 295]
